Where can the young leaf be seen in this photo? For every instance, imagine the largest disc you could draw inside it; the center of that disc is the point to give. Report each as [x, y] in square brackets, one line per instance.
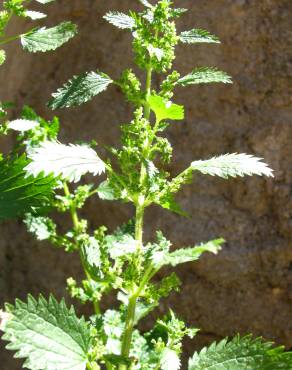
[241, 354]
[2, 57]
[80, 89]
[190, 254]
[164, 109]
[121, 245]
[198, 35]
[22, 125]
[68, 161]
[168, 202]
[120, 20]
[204, 75]
[47, 334]
[91, 252]
[42, 227]
[45, 39]
[20, 194]
[34, 15]
[105, 191]
[233, 165]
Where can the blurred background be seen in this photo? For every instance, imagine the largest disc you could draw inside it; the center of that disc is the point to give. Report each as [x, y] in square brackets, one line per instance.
[247, 287]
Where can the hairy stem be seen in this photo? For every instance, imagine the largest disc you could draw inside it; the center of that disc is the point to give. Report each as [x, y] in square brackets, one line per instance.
[148, 92]
[140, 206]
[127, 338]
[130, 319]
[12, 38]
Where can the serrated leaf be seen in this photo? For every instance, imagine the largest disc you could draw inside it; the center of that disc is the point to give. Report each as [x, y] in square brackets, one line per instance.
[241, 354]
[68, 161]
[22, 125]
[120, 20]
[91, 252]
[164, 109]
[233, 165]
[168, 202]
[80, 89]
[191, 254]
[42, 227]
[45, 39]
[47, 334]
[2, 57]
[170, 360]
[198, 35]
[105, 191]
[204, 75]
[121, 245]
[20, 194]
[32, 14]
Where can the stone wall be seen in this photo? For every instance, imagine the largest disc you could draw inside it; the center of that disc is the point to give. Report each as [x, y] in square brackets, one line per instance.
[247, 287]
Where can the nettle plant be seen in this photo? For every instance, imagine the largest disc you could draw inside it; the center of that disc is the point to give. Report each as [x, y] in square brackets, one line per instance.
[44, 331]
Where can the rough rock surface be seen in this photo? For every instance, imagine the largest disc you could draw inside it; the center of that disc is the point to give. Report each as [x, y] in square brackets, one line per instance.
[247, 287]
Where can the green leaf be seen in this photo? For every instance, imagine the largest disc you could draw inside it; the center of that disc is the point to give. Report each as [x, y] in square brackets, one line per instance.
[241, 354]
[168, 202]
[198, 35]
[2, 57]
[204, 75]
[20, 194]
[92, 255]
[68, 161]
[190, 254]
[164, 109]
[233, 165]
[22, 125]
[121, 245]
[80, 89]
[120, 20]
[42, 227]
[105, 191]
[47, 334]
[34, 15]
[45, 39]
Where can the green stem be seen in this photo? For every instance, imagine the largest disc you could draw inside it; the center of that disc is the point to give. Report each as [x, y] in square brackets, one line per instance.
[140, 207]
[127, 337]
[130, 319]
[148, 92]
[76, 223]
[12, 38]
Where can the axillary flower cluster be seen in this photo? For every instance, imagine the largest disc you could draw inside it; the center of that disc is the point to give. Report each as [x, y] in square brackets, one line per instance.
[122, 263]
